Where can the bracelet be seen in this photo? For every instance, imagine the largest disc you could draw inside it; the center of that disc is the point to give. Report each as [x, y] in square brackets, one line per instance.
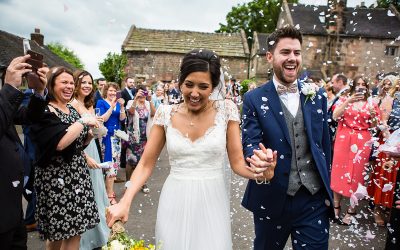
[263, 181]
[80, 120]
[122, 111]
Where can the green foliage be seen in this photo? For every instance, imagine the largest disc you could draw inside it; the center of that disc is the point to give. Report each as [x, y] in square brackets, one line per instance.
[66, 54]
[257, 15]
[386, 3]
[245, 85]
[113, 67]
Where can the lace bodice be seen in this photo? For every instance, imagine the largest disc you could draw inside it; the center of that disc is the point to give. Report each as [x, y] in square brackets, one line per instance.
[203, 157]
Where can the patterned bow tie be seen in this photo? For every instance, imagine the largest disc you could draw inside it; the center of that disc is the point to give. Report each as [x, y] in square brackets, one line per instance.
[284, 90]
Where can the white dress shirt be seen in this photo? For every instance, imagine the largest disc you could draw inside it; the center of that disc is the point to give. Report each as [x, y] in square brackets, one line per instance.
[291, 100]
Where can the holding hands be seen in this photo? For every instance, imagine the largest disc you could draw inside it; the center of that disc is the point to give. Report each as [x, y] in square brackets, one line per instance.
[263, 163]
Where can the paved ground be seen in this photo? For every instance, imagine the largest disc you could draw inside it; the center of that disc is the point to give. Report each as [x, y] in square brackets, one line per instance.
[364, 235]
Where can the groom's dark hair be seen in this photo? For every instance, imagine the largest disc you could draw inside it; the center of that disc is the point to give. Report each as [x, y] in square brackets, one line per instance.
[201, 60]
[288, 31]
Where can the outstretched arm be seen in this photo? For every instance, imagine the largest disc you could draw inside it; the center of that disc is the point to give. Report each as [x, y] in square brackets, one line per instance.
[262, 162]
[139, 177]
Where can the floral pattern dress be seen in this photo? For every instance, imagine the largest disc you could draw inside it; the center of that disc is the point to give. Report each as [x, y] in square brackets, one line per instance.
[136, 145]
[65, 198]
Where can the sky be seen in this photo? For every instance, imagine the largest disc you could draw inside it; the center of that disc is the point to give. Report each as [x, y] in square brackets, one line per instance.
[92, 28]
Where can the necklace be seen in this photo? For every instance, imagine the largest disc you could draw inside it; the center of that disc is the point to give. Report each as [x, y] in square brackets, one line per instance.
[204, 109]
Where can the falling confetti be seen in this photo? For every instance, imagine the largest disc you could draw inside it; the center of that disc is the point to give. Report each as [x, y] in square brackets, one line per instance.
[387, 187]
[15, 183]
[354, 148]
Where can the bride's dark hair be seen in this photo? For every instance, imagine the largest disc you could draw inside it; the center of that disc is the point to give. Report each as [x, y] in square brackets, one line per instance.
[201, 60]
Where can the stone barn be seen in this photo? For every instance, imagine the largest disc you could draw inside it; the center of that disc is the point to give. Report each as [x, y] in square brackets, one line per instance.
[155, 55]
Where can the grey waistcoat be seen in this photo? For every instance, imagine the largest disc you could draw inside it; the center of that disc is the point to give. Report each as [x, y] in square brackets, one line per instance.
[302, 171]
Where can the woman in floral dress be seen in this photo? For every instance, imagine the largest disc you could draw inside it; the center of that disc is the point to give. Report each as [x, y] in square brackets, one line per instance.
[65, 198]
[140, 112]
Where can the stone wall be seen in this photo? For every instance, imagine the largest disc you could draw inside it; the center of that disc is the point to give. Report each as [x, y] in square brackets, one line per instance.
[158, 66]
[349, 55]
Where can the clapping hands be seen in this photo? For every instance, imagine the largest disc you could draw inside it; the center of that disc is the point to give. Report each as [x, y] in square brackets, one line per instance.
[263, 163]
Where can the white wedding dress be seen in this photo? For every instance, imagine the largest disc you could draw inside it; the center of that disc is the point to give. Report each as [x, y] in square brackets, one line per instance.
[193, 211]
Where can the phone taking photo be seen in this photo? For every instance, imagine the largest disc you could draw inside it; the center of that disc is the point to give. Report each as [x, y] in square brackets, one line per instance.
[118, 95]
[36, 61]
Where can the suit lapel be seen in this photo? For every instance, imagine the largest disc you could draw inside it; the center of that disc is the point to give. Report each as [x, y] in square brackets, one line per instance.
[306, 108]
[276, 108]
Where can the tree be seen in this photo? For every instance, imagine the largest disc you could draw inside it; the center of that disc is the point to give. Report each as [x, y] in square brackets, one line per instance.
[113, 67]
[66, 54]
[386, 3]
[257, 15]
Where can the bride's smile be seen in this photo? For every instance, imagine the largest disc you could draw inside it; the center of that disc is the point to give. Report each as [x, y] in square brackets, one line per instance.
[196, 90]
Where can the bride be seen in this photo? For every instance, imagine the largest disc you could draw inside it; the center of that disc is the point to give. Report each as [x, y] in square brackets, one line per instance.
[193, 211]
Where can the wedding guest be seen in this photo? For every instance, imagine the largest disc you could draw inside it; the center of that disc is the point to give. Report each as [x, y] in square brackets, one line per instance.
[113, 112]
[83, 103]
[385, 170]
[355, 116]
[65, 200]
[101, 82]
[12, 227]
[252, 86]
[393, 232]
[128, 93]
[158, 97]
[193, 211]
[141, 109]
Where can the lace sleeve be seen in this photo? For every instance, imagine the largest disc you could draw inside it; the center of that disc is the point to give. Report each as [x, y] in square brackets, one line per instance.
[232, 112]
[160, 115]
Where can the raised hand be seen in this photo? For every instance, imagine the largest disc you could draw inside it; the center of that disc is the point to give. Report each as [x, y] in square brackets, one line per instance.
[16, 69]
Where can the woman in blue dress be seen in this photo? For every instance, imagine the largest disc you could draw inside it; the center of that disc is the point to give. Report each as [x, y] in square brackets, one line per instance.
[113, 112]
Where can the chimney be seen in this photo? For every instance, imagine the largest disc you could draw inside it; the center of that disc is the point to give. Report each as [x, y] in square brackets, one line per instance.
[336, 21]
[37, 37]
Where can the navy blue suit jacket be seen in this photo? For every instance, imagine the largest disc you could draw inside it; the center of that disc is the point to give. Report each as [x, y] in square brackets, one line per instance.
[263, 121]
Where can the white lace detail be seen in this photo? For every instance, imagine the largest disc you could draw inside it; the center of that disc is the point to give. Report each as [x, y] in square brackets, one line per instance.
[231, 111]
[197, 176]
[162, 115]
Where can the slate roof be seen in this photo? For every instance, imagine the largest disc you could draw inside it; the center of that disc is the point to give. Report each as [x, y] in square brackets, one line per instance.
[364, 22]
[179, 41]
[11, 47]
[262, 43]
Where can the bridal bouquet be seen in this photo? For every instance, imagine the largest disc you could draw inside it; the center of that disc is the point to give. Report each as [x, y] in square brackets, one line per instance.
[120, 240]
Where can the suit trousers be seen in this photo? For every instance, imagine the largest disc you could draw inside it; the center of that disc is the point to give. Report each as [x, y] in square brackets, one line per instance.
[305, 218]
[14, 239]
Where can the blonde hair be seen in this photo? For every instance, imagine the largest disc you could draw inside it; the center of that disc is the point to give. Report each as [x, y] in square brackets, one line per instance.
[395, 87]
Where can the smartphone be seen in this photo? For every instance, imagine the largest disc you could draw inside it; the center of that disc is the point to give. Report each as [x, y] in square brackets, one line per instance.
[361, 90]
[36, 61]
[118, 94]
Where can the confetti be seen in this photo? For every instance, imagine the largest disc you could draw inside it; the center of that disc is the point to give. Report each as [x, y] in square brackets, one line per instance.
[15, 183]
[354, 148]
[387, 187]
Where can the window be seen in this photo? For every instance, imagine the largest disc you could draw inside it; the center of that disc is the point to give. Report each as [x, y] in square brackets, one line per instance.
[391, 50]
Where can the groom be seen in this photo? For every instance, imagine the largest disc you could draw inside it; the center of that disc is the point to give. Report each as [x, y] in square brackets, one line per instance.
[298, 200]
